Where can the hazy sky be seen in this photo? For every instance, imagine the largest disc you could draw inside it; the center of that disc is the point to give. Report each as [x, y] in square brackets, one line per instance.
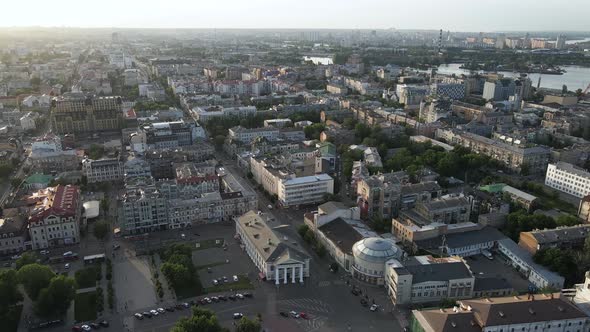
[454, 15]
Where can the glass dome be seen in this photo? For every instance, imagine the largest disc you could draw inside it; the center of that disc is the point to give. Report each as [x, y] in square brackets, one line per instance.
[375, 249]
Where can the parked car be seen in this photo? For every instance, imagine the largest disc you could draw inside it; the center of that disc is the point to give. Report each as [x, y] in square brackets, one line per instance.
[104, 323]
[222, 298]
[76, 328]
[138, 315]
[161, 310]
[303, 315]
[374, 307]
[44, 252]
[214, 299]
[238, 315]
[248, 295]
[284, 314]
[86, 327]
[116, 246]
[15, 257]
[170, 309]
[186, 305]
[94, 326]
[269, 207]
[294, 314]
[355, 292]
[68, 254]
[235, 278]
[224, 279]
[364, 302]
[215, 282]
[208, 300]
[154, 312]
[232, 297]
[147, 314]
[67, 266]
[240, 296]
[179, 306]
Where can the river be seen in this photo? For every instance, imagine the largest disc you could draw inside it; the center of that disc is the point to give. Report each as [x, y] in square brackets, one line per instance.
[575, 77]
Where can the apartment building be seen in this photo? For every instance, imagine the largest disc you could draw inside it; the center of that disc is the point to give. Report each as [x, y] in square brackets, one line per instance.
[206, 113]
[81, 113]
[379, 195]
[425, 279]
[568, 178]
[54, 219]
[143, 209]
[162, 135]
[535, 158]
[304, 190]
[247, 136]
[14, 235]
[561, 237]
[102, 170]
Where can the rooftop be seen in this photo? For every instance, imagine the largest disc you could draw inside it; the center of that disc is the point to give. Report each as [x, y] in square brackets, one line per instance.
[342, 234]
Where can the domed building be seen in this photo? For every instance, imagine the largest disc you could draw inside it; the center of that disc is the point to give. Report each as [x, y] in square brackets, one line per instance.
[370, 255]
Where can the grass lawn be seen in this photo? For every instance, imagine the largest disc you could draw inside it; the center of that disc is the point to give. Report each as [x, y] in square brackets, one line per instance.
[210, 243]
[243, 283]
[11, 318]
[85, 306]
[184, 293]
[88, 276]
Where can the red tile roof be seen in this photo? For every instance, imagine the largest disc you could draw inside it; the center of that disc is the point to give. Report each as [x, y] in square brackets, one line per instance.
[59, 201]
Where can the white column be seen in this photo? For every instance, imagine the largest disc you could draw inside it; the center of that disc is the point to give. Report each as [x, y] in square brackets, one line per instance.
[293, 275]
[286, 274]
[301, 273]
[276, 275]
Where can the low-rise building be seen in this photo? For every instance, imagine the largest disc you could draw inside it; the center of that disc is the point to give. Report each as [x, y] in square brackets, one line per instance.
[528, 313]
[560, 237]
[370, 256]
[425, 279]
[13, 235]
[275, 259]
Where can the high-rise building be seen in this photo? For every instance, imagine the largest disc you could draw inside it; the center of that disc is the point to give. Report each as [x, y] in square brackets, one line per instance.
[560, 42]
[79, 113]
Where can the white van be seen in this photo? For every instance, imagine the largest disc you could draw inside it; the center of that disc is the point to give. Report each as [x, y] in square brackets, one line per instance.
[487, 254]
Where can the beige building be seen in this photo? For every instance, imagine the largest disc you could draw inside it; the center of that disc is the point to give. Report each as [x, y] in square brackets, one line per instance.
[13, 235]
[425, 279]
[77, 112]
[275, 259]
[55, 217]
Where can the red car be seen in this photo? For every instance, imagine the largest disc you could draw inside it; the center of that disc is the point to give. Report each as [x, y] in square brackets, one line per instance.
[303, 315]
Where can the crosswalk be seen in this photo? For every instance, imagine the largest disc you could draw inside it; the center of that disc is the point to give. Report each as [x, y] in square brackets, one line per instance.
[327, 283]
[309, 305]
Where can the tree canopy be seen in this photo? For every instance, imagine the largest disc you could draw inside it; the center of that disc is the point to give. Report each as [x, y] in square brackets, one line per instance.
[202, 320]
[34, 278]
[56, 298]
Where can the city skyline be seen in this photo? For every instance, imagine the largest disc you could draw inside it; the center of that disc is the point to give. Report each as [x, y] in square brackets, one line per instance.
[454, 15]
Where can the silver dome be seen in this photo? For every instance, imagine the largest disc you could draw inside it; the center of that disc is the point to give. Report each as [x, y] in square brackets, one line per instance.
[375, 249]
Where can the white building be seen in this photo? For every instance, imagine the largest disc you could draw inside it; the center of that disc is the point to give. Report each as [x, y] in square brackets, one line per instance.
[55, 218]
[305, 190]
[206, 113]
[247, 135]
[275, 259]
[568, 178]
[102, 170]
[27, 121]
[370, 255]
[278, 123]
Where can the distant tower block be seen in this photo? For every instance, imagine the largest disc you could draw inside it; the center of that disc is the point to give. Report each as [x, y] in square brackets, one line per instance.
[440, 41]
[115, 37]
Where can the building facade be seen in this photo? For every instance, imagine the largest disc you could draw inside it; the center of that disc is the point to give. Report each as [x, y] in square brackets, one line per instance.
[568, 178]
[102, 170]
[80, 113]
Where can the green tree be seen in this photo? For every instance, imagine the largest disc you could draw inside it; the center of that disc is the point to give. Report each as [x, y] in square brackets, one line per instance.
[34, 278]
[248, 325]
[202, 320]
[29, 257]
[95, 151]
[302, 230]
[56, 298]
[178, 276]
[9, 294]
[218, 141]
[101, 229]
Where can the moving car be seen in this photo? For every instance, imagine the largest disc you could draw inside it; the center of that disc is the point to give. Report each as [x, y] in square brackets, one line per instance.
[138, 315]
[67, 266]
[215, 282]
[240, 296]
[374, 307]
[238, 315]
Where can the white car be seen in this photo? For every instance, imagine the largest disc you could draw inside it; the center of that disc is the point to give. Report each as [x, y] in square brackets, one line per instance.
[240, 296]
[235, 278]
[154, 312]
[215, 282]
[68, 254]
[374, 307]
[67, 266]
[44, 252]
[269, 207]
[86, 327]
[15, 257]
[294, 314]
[161, 310]
[238, 315]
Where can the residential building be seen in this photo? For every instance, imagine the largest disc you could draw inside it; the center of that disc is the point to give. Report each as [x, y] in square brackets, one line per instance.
[499, 89]
[414, 193]
[560, 237]
[204, 114]
[304, 190]
[277, 123]
[568, 178]
[453, 91]
[584, 209]
[330, 211]
[527, 313]
[55, 218]
[378, 196]
[47, 155]
[425, 279]
[275, 259]
[246, 135]
[14, 235]
[102, 170]
[79, 113]
[534, 158]
[142, 208]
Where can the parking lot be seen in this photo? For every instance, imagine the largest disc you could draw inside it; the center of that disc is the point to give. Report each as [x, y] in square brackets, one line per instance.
[483, 267]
